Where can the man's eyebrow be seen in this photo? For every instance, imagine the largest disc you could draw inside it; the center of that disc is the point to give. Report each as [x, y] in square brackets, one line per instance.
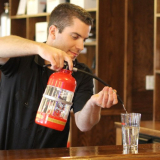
[79, 35]
[76, 34]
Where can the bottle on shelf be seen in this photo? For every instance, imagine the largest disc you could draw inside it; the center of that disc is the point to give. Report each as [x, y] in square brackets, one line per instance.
[5, 21]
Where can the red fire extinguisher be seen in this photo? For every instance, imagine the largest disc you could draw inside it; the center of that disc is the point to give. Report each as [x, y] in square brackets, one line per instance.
[56, 101]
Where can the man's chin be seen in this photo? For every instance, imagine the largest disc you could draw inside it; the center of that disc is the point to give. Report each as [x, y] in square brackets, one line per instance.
[73, 59]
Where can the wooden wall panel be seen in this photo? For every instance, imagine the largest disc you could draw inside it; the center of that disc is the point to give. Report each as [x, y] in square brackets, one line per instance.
[18, 27]
[128, 58]
[125, 54]
[157, 99]
[103, 133]
[111, 45]
[140, 48]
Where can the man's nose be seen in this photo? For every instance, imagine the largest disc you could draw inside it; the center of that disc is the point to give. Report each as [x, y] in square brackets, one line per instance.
[80, 44]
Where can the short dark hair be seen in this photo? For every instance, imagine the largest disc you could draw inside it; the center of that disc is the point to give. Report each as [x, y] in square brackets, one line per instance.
[62, 16]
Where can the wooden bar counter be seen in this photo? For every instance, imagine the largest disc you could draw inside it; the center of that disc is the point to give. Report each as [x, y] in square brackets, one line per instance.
[113, 152]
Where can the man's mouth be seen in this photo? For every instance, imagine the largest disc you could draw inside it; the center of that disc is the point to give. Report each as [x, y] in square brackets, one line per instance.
[74, 54]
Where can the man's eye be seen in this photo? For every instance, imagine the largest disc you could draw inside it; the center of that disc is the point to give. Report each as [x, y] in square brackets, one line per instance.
[74, 37]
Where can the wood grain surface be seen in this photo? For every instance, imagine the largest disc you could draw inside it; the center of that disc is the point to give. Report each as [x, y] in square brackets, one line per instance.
[145, 152]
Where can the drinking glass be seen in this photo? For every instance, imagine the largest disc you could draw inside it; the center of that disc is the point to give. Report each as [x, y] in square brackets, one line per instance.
[130, 131]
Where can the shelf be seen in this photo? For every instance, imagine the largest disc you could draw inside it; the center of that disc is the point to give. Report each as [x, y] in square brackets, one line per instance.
[90, 43]
[158, 15]
[42, 14]
[157, 71]
[28, 16]
[92, 9]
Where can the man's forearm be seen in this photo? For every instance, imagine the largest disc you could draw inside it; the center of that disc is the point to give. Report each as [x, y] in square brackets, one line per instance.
[14, 46]
[88, 116]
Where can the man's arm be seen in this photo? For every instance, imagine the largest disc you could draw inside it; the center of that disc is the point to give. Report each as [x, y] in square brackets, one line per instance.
[91, 112]
[14, 46]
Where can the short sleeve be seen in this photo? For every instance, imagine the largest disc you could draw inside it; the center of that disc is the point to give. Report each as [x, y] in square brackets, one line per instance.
[10, 67]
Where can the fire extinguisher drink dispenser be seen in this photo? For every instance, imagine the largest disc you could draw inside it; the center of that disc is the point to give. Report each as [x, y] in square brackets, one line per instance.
[57, 100]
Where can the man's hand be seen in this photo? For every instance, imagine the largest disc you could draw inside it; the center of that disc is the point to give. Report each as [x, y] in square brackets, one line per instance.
[105, 98]
[55, 57]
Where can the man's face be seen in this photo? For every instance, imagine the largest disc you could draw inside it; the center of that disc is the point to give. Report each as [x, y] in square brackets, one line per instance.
[72, 38]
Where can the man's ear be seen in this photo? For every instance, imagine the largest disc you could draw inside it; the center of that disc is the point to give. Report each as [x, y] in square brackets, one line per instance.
[52, 31]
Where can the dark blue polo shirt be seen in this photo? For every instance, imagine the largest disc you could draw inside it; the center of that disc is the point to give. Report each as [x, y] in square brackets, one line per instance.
[23, 82]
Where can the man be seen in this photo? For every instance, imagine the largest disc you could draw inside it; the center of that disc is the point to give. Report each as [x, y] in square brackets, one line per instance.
[24, 80]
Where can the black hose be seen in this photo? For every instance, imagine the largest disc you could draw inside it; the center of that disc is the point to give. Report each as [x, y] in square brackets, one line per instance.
[100, 80]
[92, 75]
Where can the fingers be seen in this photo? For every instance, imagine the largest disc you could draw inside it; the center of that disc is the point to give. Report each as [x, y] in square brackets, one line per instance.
[110, 98]
[54, 56]
[61, 62]
[57, 60]
[70, 62]
[60, 58]
[107, 98]
[115, 99]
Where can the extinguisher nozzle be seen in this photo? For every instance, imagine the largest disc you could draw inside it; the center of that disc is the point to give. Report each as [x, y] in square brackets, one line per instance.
[46, 65]
[75, 69]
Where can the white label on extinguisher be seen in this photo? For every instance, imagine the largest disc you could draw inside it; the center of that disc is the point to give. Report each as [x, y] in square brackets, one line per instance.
[69, 97]
[60, 93]
[56, 99]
